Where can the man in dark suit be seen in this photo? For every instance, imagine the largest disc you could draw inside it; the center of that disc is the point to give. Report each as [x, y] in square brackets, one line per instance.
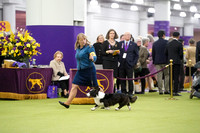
[174, 51]
[128, 59]
[198, 51]
[160, 60]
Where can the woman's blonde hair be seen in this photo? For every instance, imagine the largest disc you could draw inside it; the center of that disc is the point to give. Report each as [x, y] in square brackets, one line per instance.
[56, 53]
[81, 35]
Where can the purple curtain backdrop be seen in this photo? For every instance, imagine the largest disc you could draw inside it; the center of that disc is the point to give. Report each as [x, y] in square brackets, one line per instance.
[53, 38]
[186, 39]
[161, 25]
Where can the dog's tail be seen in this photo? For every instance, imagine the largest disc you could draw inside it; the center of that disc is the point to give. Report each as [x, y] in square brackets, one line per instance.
[133, 99]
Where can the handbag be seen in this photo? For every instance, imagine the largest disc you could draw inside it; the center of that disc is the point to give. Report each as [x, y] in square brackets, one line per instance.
[52, 91]
[138, 67]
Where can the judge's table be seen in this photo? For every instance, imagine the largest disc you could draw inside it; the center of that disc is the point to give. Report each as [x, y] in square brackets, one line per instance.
[24, 83]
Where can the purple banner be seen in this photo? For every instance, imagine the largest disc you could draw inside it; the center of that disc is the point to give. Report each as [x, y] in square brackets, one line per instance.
[104, 80]
[25, 81]
[53, 38]
[186, 39]
[162, 25]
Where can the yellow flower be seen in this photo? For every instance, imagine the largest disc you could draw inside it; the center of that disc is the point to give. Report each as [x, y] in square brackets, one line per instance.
[12, 51]
[28, 45]
[1, 34]
[37, 44]
[18, 44]
[29, 38]
[16, 50]
[26, 52]
[3, 53]
[34, 47]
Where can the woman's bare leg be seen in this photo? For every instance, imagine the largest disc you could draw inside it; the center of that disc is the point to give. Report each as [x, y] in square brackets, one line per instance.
[72, 94]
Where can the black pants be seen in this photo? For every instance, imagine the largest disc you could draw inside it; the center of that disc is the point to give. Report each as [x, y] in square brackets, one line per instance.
[181, 78]
[142, 73]
[64, 84]
[123, 73]
[176, 74]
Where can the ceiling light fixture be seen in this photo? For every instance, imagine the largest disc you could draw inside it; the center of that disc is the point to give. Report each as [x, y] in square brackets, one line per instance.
[186, 0]
[182, 14]
[134, 8]
[177, 6]
[193, 8]
[94, 3]
[151, 10]
[196, 15]
[139, 1]
[114, 5]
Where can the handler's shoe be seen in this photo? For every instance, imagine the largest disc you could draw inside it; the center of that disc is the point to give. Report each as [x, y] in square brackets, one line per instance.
[192, 93]
[62, 103]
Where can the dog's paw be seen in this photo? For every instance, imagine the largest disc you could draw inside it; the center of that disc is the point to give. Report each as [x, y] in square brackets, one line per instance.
[107, 108]
[93, 109]
[129, 107]
[116, 109]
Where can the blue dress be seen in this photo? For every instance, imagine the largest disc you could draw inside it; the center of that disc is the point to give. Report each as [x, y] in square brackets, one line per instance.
[86, 72]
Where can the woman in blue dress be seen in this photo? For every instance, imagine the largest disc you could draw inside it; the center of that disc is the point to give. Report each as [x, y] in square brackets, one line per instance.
[86, 72]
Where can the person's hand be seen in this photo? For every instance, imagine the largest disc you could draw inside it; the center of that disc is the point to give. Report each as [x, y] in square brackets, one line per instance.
[66, 74]
[109, 51]
[91, 57]
[147, 61]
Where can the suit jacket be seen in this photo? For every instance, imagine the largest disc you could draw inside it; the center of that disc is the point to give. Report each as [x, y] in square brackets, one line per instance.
[174, 51]
[143, 56]
[198, 51]
[157, 51]
[131, 57]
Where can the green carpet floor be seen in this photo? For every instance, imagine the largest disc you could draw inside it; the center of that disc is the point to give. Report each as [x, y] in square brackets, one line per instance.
[151, 113]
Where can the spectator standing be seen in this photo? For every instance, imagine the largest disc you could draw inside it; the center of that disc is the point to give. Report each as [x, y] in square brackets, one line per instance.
[110, 52]
[160, 61]
[174, 51]
[128, 58]
[98, 50]
[190, 55]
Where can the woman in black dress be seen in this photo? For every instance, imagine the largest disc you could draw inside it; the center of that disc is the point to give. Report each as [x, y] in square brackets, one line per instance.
[110, 52]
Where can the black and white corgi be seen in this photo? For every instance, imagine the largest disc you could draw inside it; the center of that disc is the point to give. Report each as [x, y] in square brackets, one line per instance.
[106, 100]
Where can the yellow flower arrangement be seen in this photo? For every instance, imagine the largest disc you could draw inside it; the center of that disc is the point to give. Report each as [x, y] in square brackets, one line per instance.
[19, 46]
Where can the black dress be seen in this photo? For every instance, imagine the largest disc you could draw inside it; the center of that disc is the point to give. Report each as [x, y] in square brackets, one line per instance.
[98, 50]
[110, 61]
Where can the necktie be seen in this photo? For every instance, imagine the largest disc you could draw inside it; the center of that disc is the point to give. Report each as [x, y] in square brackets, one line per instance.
[126, 46]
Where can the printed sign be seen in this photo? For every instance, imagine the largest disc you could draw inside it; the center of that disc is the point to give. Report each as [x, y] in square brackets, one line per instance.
[5, 26]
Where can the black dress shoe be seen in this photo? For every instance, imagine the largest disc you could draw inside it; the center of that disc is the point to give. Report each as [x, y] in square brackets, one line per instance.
[192, 93]
[166, 92]
[176, 94]
[62, 103]
[160, 93]
[152, 90]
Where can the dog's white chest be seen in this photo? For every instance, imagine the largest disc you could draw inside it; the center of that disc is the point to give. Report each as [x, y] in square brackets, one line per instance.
[97, 101]
[98, 97]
